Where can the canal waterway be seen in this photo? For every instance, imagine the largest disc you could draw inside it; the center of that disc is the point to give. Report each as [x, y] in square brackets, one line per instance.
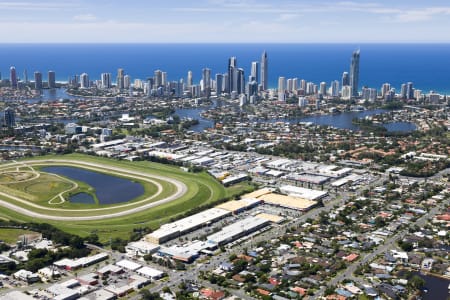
[108, 189]
[342, 120]
[435, 288]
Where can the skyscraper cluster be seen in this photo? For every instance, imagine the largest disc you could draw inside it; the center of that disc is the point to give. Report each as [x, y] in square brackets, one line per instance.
[38, 79]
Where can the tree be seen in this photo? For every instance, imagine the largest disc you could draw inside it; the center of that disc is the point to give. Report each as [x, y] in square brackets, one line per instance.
[406, 246]
[93, 239]
[416, 282]
[147, 295]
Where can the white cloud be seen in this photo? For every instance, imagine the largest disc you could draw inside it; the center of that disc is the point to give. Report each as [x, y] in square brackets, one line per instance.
[287, 17]
[425, 14]
[85, 18]
[20, 5]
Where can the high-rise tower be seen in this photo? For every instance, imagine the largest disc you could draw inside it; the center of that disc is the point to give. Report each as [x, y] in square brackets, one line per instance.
[51, 79]
[38, 80]
[120, 75]
[206, 77]
[354, 73]
[13, 77]
[264, 71]
[106, 80]
[190, 81]
[9, 118]
[254, 71]
[232, 64]
[84, 81]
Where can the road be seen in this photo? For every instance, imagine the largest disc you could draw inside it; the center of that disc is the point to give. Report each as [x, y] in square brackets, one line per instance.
[181, 189]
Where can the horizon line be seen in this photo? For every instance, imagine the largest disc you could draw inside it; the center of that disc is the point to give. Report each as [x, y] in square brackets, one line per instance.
[230, 43]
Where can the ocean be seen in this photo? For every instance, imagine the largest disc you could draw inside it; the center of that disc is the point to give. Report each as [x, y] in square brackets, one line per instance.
[426, 65]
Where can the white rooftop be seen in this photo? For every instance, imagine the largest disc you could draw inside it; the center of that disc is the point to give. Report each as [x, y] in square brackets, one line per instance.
[193, 221]
[301, 192]
[149, 272]
[128, 264]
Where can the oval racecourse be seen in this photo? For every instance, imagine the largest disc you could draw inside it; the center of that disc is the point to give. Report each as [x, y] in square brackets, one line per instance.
[168, 189]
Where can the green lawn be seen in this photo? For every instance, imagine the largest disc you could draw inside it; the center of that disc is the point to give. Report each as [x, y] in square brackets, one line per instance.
[10, 236]
[202, 189]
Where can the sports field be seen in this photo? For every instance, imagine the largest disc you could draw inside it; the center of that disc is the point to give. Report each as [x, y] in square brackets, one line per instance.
[27, 194]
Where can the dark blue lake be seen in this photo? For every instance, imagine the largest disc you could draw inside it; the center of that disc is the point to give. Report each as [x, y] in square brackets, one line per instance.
[84, 198]
[109, 189]
[437, 287]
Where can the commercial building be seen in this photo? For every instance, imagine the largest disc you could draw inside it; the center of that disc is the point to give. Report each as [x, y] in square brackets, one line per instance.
[272, 218]
[128, 265]
[237, 206]
[237, 230]
[288, 201]
[172, 230]
[301, 192]
[234, 179]
[150, 273]
[180, 253]
[141, 248]
[256, 194]
[70, 264]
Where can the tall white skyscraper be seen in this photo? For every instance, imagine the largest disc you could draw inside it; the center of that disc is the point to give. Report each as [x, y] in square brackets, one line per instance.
[164, 79]
[120, 75]
[254, 71]
[281, 88]
[157, 81]
[206, 77]
[106, 80]
[84, 81]
[126, 82]
[294, 84]
[232, 80]
[264, 71]
[323, 88]
[385, 88]
[334, 89]
[189, 79]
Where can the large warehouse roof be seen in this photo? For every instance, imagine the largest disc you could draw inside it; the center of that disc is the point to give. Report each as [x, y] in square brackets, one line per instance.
[187, 224]
[288, 201]
[301, 192]
[237, 205]
[256, 194]
[235, 230]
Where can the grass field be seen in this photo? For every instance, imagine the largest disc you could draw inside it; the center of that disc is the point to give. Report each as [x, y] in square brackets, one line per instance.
[10, 236]
[201, 189]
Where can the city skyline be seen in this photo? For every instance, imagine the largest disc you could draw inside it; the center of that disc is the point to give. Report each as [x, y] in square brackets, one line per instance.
[174, 21]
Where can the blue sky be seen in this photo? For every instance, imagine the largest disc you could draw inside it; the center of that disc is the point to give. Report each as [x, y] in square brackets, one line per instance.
[178, 21]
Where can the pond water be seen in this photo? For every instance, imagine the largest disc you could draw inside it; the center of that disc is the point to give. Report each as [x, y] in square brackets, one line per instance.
[84, 198]
[109, 189]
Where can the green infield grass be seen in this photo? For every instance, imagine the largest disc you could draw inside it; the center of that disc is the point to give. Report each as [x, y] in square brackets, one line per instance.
[202, 189]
